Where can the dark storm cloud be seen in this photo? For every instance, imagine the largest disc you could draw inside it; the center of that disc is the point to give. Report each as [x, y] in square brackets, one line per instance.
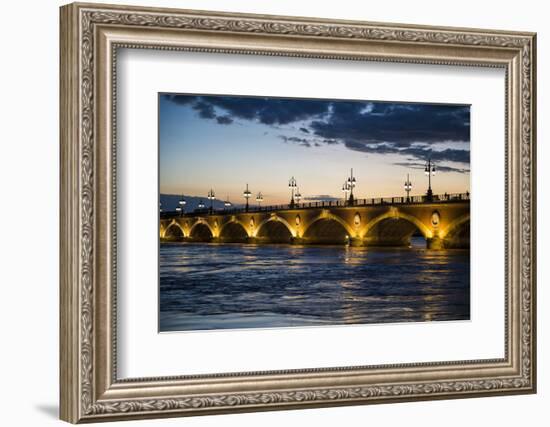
[422, 152]
[402, 129]
[206, 110]
[370, 127]
[399, 124]
[181, 99]
[293, 139]
[224, 120]
[439, 168]
[268, 111]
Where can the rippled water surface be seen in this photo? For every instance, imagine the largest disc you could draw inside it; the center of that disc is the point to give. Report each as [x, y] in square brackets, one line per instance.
[228, 286]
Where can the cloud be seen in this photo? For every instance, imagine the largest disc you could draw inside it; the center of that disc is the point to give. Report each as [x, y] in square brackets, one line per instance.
[417, 151]
[180, 99]
[268, 111]
[389, 127]
[294, 139]
[417, 131]
[224, 120]
[439, 168]
[206, 110]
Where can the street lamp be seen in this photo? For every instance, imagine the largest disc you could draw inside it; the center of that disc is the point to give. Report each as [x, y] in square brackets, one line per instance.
[227, 203]
[247, 194]
[182, 202]
[408, 187]
[201, 205]
[351, 182]
[260, 199]
[211, 196]
[345, 190]
[430, 171]
[292, 185]
[297, 196]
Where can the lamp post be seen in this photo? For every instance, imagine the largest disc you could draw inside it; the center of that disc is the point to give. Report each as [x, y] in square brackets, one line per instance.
[345, 190]
[351, 182]
[181, 208]
[408, 188]
[292, 185]
[200, 205]
[430, 171]
[247, 194]
[227, 203]
[259, 199]
[211, 196]
[297, 196]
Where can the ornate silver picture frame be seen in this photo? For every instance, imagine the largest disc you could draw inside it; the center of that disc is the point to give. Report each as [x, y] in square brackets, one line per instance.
[91, 36]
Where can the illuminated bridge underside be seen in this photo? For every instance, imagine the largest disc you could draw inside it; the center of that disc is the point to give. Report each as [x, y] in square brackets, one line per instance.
[443, 225]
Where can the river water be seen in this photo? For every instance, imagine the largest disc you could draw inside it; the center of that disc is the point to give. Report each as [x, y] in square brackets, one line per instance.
[229, 286]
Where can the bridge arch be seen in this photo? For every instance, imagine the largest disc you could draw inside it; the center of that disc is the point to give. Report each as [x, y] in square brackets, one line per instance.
[328, 228]
[455, 225]
[174, 231]
[423, 228]
[233, 231]
[457, 234]
[331, 217]
[394, 228]
[274, 218]
[275, 229]
[201, 230]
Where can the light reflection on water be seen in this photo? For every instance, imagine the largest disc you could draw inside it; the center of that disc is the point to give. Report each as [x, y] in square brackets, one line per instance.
[228, 286]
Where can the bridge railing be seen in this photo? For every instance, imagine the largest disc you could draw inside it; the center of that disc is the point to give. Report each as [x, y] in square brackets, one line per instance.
[376, 201]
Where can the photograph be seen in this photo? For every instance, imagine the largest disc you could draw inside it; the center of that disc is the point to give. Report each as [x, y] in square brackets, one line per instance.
[298, 212]
[270, 210]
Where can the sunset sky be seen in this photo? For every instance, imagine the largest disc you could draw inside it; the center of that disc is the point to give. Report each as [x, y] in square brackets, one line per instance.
[224, 142]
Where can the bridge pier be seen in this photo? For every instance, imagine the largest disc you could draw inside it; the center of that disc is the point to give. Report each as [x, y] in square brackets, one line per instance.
[435, 243]
[357, 242]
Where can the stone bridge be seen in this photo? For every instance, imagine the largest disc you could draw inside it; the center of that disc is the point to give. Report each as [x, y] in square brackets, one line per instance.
[444, 222]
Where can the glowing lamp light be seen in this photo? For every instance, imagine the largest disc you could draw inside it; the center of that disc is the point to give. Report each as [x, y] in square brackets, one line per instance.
[260, 198]
[298, 196]
[292, 183]
[430, 168]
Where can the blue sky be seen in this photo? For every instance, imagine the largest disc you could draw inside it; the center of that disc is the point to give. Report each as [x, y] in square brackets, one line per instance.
[224, 142]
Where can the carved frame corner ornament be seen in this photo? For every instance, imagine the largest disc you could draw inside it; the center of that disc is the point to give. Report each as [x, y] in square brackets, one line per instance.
[90, 36]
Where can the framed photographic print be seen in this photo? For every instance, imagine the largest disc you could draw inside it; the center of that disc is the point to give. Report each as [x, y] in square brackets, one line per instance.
[264, 212]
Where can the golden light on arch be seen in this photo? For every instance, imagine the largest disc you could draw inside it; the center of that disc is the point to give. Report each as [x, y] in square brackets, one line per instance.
[395, 213]
[447, 227]
[273, 217]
